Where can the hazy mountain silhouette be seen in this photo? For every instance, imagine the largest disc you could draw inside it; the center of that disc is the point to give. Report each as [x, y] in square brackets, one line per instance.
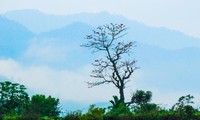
[75, 31]
[14, 38]
[37, 21]
[161, 37]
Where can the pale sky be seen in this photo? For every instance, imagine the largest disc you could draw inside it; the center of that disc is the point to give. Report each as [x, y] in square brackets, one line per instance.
[181, 15]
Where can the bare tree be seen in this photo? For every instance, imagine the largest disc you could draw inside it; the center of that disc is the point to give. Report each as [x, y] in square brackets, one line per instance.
[113, 67]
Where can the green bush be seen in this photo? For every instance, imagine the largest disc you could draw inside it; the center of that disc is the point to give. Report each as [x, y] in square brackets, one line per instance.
[76, 115]
[29, 117]
[94, 113]
[9, 117]
[121, 110]
[149, 107]
[43, 106]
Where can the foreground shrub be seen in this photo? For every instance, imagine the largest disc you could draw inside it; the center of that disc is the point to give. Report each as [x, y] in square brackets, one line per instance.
[94, 113]
[43, 106]
[76, 115]
[118, 108]
[13, 98]
[29, 117]
[121, 110]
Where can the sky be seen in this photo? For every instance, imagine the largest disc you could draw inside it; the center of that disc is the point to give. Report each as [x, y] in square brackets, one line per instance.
[180, 15]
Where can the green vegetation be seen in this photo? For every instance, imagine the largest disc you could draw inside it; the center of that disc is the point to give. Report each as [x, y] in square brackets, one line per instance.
[43, 106]
[13, 98]
[16, 104]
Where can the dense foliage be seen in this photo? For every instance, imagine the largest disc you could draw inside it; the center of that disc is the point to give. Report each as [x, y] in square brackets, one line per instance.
[43, 106]
[12, 98]
[17, 105]
[141, 110]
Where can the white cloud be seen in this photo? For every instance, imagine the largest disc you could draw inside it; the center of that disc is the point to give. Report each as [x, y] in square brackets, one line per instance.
[65, 84]
[47, 51]
[70, 85]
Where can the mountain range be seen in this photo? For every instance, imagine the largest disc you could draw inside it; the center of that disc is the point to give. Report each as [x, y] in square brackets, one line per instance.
[169, 60]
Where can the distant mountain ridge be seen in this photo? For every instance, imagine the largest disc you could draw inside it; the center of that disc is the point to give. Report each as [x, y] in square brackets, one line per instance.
[50, 22]
[14, 38]
[76, 30]
[161, 37]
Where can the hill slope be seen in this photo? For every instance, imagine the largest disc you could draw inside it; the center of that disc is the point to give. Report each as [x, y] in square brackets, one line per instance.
[161, 37]
[14, 38]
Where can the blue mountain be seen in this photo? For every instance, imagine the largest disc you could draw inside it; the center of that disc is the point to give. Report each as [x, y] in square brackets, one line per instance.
[160, 37]
[37, 21]
[168, 70]
[60, 48]
[74, 31]
[47, 22]
[163, 37]
[14, 38]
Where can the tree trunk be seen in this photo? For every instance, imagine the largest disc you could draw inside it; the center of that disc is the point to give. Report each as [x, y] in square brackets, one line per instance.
[121, 93]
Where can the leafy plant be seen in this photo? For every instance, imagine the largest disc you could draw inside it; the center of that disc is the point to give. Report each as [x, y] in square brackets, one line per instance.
[118, 108]
[140, 100]
[115, 102]
[75, 115]
[13, 98]
[141, 97]
[43, 106]
[94, 113]
[184, 107]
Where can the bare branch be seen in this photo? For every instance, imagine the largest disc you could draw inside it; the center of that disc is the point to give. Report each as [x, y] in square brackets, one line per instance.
[113, 68]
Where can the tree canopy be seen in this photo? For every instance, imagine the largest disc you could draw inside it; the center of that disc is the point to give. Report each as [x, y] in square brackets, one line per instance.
[13, 97]
[43, 106]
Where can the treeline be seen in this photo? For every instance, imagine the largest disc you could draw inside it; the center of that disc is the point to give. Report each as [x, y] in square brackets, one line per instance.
[16, 104]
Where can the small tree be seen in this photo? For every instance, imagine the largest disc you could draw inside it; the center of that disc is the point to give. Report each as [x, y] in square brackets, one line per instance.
[184, 107]
[43, 106]
[141, 100]
[118, 108]
[93, 113]
[13, 98]
[141, 97]
[114, 67]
